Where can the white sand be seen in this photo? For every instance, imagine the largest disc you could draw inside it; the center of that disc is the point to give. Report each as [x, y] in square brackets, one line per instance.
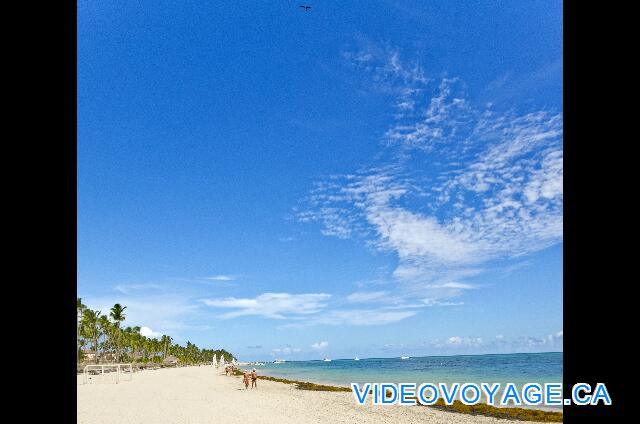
[204, 395]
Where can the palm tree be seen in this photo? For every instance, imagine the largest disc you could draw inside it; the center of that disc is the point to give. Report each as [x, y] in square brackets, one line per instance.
[166, 341]
[107, 330]
[79, 309]
[107, 336]
[91, 327]
[148, 349]
[125, 342]
[117, 314]
[157, 348]
[136, 338]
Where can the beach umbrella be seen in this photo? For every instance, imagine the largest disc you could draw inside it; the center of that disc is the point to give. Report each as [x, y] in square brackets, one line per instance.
[214, 362]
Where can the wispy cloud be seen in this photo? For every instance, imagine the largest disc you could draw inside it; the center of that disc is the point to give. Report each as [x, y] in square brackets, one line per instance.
[271, 305]
[366, 297]
[311, 309]
[129, 288]
[464, 341]
[286, 350]
[499, 343]
[320, 345]
[220, 278]
[434, 302]
[465, 185]
[354, 317]
[452, 285]
[387, 70]
[507, 86]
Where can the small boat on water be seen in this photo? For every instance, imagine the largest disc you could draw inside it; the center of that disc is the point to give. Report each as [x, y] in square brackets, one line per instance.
[404, 357]
[327, 360]
[356, 359]
[279, 361]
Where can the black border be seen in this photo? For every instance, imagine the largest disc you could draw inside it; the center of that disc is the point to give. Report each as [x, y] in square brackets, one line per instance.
[595, 205]
[45, 314]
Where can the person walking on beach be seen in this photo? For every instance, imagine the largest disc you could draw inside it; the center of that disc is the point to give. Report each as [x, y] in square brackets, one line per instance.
[246, 379]
[254, 379]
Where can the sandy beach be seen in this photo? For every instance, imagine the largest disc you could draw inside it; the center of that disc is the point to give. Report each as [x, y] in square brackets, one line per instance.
[204, 395]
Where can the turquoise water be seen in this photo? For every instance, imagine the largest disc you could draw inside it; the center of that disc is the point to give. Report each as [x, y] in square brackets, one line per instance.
[517, 368]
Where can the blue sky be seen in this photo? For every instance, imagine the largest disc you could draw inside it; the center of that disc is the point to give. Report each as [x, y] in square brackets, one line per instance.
[374, 179]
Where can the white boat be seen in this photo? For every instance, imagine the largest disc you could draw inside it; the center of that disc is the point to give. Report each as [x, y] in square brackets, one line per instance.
[404, 357]
[279, 361]
[327, 360]
[356, 359]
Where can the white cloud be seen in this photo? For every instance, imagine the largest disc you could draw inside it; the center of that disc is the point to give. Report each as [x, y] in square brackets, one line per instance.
[464, 341]
[548, 342]
[394, 345]
[492, 188]
[434, 302]
[287, 350]
[500, 343]
[147, 332]
[355, 317]
[364, 297]
[320, 345]
[312, 309]
[387, 69]
[272, 305]
[439, 121]
[547, 182]
[452, 285]
[129, 288]
[220, 278]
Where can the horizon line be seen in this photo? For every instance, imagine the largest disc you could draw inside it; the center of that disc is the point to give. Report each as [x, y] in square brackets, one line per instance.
[425, 356]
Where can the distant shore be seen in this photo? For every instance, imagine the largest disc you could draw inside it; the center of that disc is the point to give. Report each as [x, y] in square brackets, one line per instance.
[204, 394]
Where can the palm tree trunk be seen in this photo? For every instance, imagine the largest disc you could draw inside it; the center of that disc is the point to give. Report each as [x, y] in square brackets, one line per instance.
[118, 344]
[104, 347]
[95, 344]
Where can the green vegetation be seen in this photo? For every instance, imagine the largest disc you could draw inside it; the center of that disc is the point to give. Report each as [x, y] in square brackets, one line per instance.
[320, 387]
[111, 343]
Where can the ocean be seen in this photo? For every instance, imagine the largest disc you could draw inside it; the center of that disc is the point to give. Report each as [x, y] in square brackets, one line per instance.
[518, 368]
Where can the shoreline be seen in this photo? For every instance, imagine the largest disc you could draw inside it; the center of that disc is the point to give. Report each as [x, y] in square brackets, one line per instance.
[544, 414]
[333, 384]
[204, 395]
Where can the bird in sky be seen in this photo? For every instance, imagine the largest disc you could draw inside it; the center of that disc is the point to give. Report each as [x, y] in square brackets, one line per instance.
[305, 7]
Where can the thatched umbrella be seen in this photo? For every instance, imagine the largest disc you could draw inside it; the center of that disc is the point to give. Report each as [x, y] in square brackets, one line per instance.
[170, 359]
